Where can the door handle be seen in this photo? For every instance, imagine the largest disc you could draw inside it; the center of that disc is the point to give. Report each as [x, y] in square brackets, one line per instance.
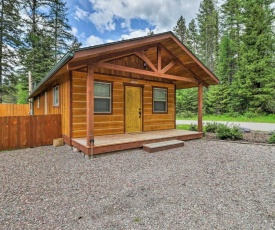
[139, 112]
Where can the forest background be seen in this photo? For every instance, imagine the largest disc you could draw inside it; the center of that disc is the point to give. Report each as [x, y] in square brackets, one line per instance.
[234, 39]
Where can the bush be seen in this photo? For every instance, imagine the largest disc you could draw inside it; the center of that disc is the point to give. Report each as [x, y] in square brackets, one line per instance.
[211, 127]
[225, 132]
[186, 114]
[271, 139]
[193, 127]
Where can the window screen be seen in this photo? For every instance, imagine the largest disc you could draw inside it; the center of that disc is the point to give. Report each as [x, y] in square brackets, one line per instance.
[56, 95]
[160, 100]
[102, 97]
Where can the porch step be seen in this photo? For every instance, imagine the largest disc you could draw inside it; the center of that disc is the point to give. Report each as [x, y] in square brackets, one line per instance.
[164, 145]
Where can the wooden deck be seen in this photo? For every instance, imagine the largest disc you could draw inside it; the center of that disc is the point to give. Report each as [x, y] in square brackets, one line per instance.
[110, 143]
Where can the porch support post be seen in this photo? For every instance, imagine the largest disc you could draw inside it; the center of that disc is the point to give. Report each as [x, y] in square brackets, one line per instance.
[90, 106]
[200, 92]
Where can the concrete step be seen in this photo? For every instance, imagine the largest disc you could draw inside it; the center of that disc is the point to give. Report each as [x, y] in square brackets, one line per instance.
[164, 145]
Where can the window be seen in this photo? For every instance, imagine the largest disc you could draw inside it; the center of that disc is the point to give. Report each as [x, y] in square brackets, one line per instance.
[102, 97]
[56, 95]
[159, 100]
[38, 102]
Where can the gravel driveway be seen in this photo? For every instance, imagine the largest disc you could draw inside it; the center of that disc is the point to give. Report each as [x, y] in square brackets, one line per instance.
[204, 185]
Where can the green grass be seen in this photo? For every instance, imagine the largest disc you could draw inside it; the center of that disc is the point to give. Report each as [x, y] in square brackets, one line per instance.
[183, 127]
[240, 118]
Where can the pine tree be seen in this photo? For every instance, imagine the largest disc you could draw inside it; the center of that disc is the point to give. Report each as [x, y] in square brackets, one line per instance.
[9, 40]
[228, 61]
[192, 37]
[208, 33]
[180, 29]
[37, 54]
[60, 29]
[254, 85]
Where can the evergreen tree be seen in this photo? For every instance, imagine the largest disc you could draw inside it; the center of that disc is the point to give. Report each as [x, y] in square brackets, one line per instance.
[9, 40]
[192, 37]
[60, 29]
[228, 61]
[37, 54]
[180, 30]
[208, 33]
[254, 85]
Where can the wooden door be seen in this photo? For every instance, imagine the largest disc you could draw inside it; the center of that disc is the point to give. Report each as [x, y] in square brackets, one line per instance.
[133, 109]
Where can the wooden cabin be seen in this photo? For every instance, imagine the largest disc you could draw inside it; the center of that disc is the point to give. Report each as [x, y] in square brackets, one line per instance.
[121, 95]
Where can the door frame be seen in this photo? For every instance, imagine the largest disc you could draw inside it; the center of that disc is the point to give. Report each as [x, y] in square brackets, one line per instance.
[142, 112]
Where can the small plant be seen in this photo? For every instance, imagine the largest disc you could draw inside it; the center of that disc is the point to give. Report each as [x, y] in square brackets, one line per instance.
[225, 132]
[193, 127]
[271, 139]
[211, 127]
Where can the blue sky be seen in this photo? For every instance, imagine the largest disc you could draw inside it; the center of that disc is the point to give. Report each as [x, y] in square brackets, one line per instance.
[95, 22]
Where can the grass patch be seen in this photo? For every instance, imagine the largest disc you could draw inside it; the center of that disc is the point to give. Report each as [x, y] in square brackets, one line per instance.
[238, 118]
[183, 127]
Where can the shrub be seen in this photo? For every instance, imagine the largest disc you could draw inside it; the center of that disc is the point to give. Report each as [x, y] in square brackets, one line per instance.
[211, 127]
[193, 127]
[271, 139]
[225, 132]
[186, 114]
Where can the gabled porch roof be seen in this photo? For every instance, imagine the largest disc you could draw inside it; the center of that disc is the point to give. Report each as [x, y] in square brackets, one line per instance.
[160, 57]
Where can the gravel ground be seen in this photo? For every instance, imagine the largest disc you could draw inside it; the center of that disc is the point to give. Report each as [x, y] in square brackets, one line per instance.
[203, 185]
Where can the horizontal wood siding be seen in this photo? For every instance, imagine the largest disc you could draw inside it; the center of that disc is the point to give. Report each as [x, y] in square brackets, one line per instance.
[114, 123]
[29, 131]
[64, 102]
[14, 109]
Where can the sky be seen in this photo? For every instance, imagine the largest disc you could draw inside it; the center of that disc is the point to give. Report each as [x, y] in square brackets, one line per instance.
[96, 22]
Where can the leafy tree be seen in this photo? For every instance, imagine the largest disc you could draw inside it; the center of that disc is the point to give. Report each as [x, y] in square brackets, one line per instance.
[180, 30]
[9, 40]
[208, 33]
[187, 102]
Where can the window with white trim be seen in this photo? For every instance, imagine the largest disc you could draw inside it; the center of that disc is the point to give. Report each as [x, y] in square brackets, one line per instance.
[56, 95]
[159, 100]
[102, 97]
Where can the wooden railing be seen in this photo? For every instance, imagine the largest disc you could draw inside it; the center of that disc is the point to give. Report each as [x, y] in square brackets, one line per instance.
[29, 131]
[14, 109]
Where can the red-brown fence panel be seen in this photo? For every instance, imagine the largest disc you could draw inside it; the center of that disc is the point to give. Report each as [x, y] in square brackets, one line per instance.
[14, 109]
[29, 131]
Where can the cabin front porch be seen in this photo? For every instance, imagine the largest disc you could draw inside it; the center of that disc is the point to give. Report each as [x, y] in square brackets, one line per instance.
[111, 143]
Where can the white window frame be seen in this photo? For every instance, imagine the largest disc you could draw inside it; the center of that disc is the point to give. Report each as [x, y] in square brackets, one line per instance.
[56, 95]
[110, 97]
[154, 100]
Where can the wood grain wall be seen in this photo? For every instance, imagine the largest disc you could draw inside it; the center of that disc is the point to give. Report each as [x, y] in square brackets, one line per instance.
[114, 123]
[64, 102]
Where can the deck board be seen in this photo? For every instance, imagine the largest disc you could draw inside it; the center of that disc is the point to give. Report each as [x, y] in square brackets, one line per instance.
[110, 143]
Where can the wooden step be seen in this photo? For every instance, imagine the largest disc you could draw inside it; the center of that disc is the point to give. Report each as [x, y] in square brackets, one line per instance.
[164, 145]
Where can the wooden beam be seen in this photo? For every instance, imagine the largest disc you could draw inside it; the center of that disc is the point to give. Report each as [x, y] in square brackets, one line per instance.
[90, 106]
[190, 54]
[159, 57]
[144, 72]
[200, 93]
[106, 57]
[184, 66]
[144, 58]
[169, 66]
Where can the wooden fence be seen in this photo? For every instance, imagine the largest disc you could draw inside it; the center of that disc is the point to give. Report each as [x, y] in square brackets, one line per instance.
[29, 131]
[14, 109]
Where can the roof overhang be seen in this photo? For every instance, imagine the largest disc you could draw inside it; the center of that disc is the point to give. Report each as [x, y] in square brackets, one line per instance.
[181, 65]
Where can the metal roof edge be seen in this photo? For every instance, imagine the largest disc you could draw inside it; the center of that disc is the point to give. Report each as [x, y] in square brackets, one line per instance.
[68, 56]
